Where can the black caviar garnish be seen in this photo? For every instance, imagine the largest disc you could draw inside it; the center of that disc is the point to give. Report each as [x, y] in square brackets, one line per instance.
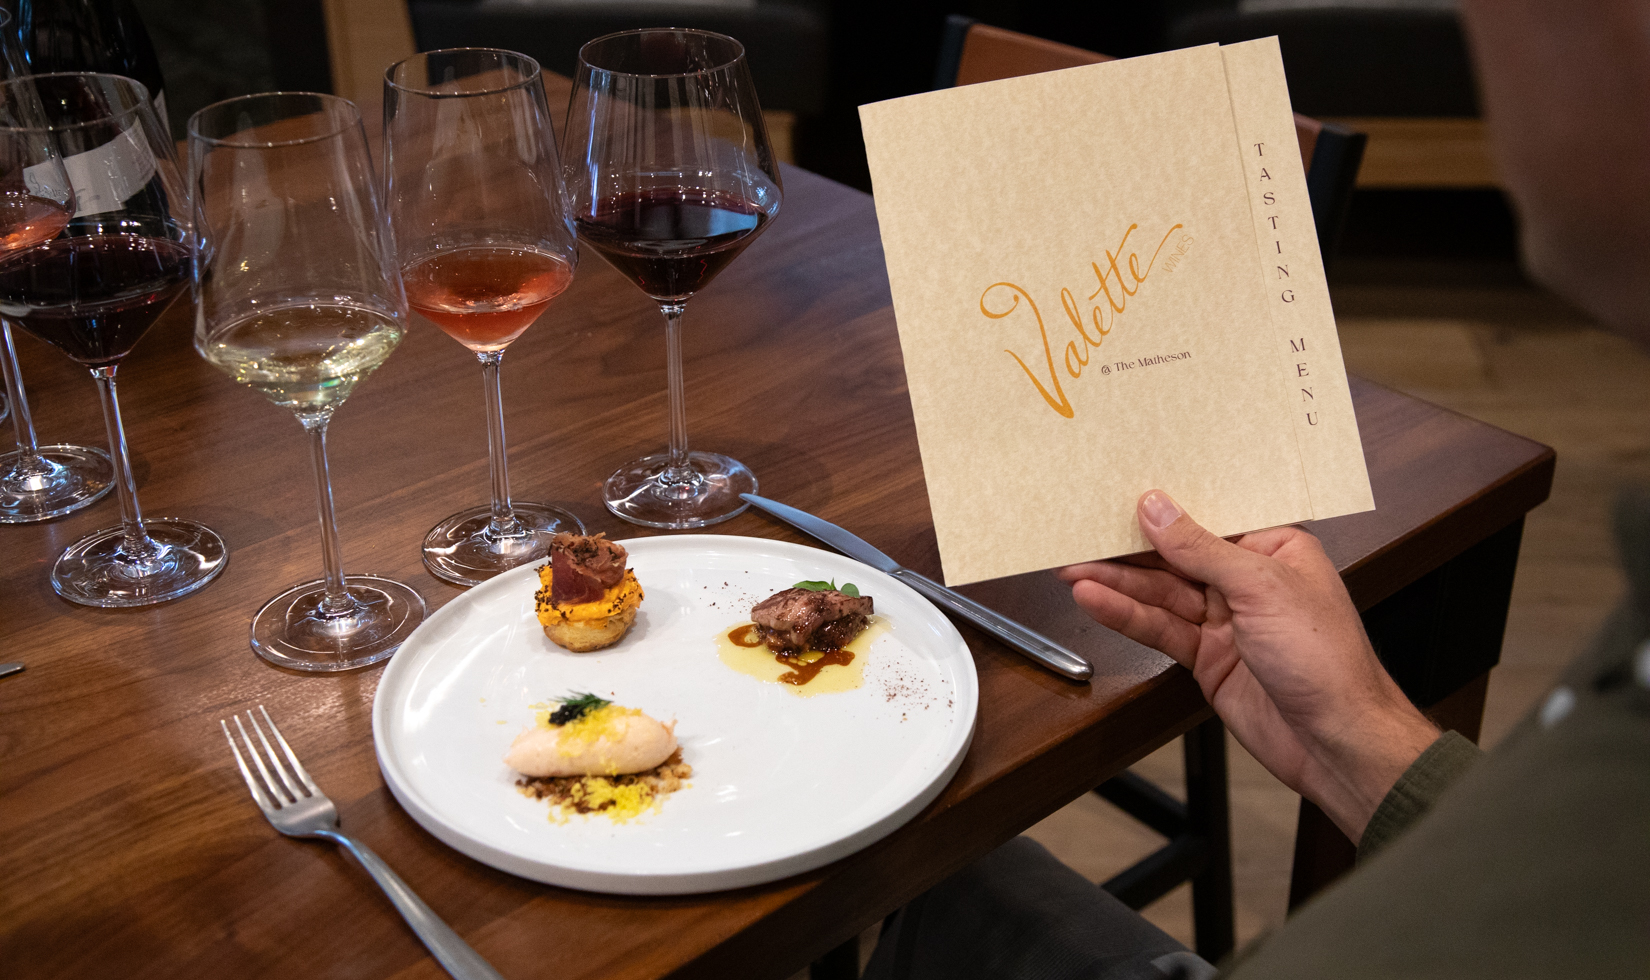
[576, 706]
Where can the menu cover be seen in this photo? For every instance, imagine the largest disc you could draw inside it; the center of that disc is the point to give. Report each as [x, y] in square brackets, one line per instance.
[1106, 280]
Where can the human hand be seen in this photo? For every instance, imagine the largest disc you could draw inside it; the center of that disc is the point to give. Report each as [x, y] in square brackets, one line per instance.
[1270, 634]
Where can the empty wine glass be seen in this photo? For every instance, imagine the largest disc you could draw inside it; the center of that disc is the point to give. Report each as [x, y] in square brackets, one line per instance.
[37, 483]
[93, 292]
[298, 297]
[671, 175]
[476, 205]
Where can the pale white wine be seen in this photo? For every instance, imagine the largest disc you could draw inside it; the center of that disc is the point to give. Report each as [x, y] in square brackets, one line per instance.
[305, 358]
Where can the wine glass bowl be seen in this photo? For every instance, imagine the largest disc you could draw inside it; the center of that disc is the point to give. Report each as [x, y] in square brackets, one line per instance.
[476, 204]
[672, 176]
[93, 291]
[485, 296]
[298, 298]
[37, 483]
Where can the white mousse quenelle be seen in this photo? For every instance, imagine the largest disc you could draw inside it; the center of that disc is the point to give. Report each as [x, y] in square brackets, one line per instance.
[589, 736]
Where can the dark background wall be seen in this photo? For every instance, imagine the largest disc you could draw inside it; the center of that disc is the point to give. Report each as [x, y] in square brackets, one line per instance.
[208, 51]
[824, 58]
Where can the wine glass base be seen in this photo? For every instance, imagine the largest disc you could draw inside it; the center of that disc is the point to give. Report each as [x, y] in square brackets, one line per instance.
[639, 493]
[461, 551]
[290, 630]
[95, 571]
[58, 480]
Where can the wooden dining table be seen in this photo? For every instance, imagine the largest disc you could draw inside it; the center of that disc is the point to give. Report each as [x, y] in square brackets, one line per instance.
[130, 847]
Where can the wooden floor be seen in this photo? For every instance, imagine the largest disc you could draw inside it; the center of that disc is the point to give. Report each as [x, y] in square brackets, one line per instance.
[1483, 343]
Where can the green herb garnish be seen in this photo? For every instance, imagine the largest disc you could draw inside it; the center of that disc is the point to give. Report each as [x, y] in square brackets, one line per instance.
[576, 706]
[848, 588]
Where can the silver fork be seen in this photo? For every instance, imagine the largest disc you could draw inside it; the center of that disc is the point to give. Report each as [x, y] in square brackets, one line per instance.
[297, 808]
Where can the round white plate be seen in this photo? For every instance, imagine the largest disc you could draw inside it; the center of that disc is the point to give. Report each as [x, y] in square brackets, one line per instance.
[781, 784]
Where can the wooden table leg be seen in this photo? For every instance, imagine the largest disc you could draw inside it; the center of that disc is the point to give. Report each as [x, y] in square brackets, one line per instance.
[1213, 917]
[841, 963]
[1200, 840]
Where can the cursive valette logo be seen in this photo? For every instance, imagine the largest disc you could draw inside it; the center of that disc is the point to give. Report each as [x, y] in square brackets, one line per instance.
[1101, 319]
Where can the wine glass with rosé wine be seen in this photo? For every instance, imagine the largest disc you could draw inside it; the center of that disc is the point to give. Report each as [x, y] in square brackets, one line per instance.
[93, 291]
[479, 215]
[672, 176]
[37, 483]
[299, 298]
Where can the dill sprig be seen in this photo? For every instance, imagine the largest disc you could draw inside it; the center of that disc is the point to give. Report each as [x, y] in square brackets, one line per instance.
[576, 706]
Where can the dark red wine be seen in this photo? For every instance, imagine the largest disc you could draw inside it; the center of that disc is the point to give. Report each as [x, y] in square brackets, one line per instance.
[672, 241]
[93, 297]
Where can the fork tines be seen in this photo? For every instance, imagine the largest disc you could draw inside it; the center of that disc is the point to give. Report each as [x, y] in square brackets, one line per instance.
[288, 784]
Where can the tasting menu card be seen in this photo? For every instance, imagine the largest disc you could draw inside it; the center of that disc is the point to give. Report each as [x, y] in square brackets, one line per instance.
[1107, 280]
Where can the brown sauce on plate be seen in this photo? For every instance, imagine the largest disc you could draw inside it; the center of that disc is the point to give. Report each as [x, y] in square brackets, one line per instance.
[743, 649]
[803, 671]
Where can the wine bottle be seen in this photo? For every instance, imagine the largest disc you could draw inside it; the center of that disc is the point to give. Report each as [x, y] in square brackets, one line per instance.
[91, 35]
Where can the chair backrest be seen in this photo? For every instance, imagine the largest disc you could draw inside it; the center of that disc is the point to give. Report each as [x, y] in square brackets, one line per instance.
[982, 53]
[972, 52]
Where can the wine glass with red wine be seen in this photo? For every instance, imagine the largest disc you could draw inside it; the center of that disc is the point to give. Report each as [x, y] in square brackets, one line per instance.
[479, 216]
[37, 483]
[93, 291]
[299, 298]
[671, 175]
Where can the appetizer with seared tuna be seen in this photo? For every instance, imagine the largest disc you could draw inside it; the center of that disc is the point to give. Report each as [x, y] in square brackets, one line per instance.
[587, 598]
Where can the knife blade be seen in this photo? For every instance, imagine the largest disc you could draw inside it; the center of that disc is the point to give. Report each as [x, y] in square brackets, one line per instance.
[1034, 645]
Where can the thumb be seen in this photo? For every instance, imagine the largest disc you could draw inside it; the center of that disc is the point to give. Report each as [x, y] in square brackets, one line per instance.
[1188, 547]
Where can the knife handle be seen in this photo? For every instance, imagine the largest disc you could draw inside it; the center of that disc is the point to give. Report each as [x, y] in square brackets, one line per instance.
[1034, 645]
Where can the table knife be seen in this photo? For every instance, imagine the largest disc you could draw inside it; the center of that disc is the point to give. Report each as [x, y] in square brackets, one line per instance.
[1034, 645]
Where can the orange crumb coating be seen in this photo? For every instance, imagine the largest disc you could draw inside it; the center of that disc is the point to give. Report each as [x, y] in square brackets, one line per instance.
[614, 602]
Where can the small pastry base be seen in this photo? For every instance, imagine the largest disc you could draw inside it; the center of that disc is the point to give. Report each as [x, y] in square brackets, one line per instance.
[585, 637]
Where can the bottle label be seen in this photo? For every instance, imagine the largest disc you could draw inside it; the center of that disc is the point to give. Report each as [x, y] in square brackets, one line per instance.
[102, 178]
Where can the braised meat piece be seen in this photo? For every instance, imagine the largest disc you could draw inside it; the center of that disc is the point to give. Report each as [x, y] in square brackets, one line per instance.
[583, 568]
[801, 619]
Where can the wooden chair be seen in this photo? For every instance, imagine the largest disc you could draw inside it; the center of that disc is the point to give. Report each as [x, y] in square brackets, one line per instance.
[1199, 848]
[972, 52]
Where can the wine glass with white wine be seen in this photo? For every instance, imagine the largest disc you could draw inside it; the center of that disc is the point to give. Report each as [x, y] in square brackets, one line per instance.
[298, 297]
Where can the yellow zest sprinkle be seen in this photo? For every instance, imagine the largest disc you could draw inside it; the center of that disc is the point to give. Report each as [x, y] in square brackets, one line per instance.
[585, 729]
[619, 798]
[621, 804]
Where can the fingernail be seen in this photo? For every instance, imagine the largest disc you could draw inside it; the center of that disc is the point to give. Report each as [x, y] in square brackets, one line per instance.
[1159, 508]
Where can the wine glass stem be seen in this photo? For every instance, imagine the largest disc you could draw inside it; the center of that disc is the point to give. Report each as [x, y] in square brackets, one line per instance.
[677, 470]
[136, 545]
[504, 523]
[337, 601]
[22, 422]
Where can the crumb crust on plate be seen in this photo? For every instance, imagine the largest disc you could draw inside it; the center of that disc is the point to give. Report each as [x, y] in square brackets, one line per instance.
[619, 798]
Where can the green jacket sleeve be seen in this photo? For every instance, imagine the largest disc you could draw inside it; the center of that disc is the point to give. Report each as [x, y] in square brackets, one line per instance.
[1445, 761]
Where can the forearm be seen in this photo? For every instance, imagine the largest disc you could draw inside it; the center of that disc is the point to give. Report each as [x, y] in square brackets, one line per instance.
[1357, 764]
